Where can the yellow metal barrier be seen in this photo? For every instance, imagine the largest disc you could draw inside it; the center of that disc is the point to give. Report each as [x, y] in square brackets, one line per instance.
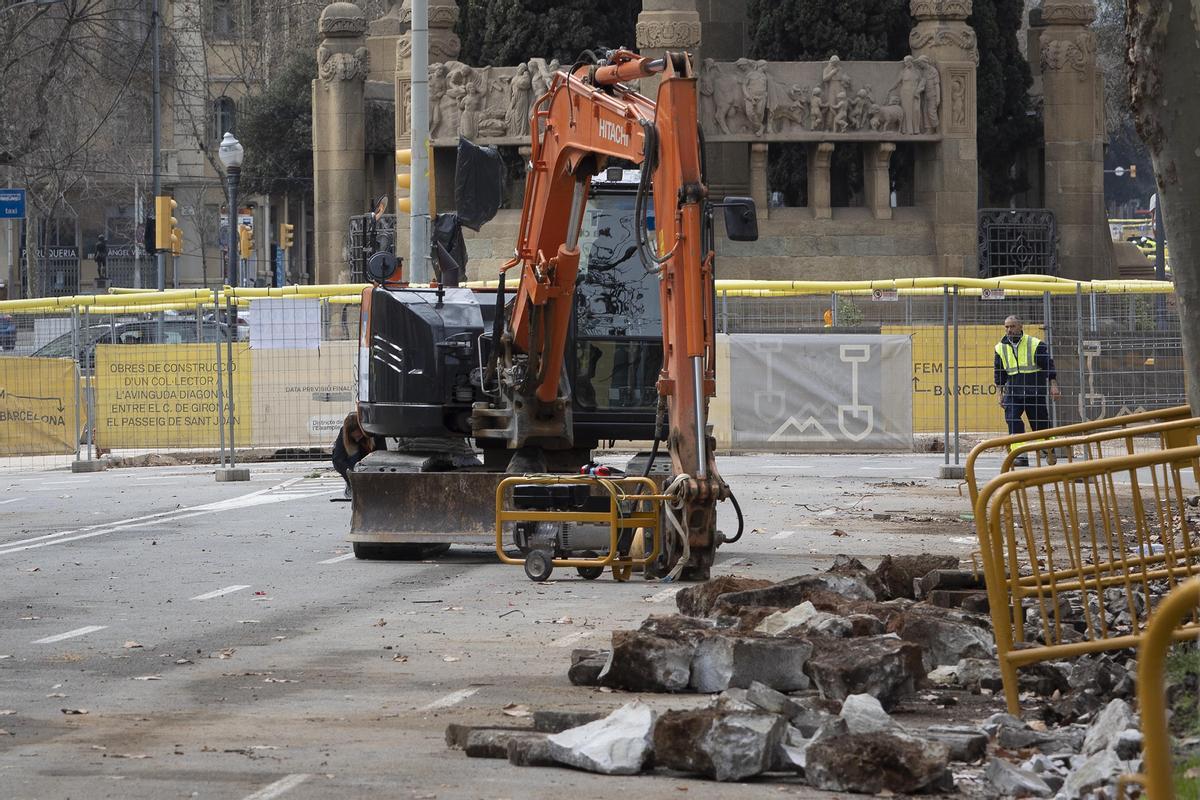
[645, 491]
[1157, 778]
[1003, 445]
[1061, 543]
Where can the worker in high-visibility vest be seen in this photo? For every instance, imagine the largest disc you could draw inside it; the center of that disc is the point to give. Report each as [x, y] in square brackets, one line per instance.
[1023, 369]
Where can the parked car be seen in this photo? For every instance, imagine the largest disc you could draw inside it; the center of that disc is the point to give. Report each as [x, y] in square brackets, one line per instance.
[174, 331]
[8, 332]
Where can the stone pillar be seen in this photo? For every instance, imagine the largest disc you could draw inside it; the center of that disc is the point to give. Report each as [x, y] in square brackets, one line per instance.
[948, 171]
[819, 156]
[758, 178]
[664, 25]
[444, 45]
[877, 157]
[338, 134]
[1074, 135]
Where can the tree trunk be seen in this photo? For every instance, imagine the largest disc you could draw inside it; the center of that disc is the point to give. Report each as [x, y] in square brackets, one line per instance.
[1164, 73]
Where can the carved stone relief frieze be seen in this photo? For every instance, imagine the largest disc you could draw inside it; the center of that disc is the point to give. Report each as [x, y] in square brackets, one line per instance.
[747, 99]
[334, 65]
[485, 102]
[962, 83]
[963, 38]
[1076, 12]
[672, 33]
[1073, 52]
[940, 9]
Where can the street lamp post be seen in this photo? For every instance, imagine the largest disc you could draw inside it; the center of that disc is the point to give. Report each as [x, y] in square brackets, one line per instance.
[231, 153]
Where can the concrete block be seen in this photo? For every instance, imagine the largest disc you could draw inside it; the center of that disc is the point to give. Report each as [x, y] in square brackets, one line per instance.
[232, 474]
[952, 471]
[84, 465]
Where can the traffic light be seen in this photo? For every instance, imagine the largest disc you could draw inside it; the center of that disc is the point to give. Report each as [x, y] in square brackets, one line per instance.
[286, 238]
[245, 241]
[404, 180]
[164, 221]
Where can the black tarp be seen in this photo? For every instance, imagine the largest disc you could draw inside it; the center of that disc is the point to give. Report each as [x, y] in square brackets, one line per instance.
[478, 183]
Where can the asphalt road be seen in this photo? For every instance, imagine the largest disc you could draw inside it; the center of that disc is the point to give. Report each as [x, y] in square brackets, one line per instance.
[167, 636]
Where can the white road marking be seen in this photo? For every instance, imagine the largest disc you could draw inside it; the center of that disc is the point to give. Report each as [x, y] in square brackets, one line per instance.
[783, 534]
[571, 638]
[971, 540]
[665, 594]
[63, 483]
[220, 592]
[87, 532]
[13, 500]
[895, 469]
[279, 787]
[793, 466]
[336, 559]
[71, 634]
[452, 699]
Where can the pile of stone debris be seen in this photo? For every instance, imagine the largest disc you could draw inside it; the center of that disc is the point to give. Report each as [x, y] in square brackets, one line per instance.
[804, 673]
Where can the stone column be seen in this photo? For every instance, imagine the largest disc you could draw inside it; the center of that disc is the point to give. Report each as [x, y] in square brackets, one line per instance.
[819, 156]
[877, 157]
[758, 178]
[948, 171]
[338, 135]
[1074, 131]
[444, 45]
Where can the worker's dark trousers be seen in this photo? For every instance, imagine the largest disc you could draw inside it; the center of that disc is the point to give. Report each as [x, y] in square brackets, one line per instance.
[1032, 404]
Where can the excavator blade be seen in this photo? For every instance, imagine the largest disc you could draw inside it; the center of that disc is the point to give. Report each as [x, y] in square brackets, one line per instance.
[424, 507]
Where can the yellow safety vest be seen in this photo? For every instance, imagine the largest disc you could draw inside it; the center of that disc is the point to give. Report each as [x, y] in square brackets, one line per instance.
[1019, 359]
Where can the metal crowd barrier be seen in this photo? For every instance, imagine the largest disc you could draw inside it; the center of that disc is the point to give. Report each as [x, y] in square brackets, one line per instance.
[1075, 554]
[1157, 773]
[1065, 436]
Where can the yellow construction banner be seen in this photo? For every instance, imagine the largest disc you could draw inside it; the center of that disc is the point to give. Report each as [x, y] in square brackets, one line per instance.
[155, 396]
[37, 406]
[978, 396]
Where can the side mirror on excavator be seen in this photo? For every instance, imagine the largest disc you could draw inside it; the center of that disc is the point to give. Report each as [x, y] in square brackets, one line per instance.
[741, 219]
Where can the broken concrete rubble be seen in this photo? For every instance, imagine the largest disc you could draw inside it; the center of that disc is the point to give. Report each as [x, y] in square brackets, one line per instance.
[875, 762]
[1116, 718]
[884, 667]
[619, 744]
[642, 662]
[719, 745]
[862, 713]
[1011, 781]
[946, 636]
[700, 599]
[793, 592]
[899, 573]
[965, 744]
[723, 661]
[805, 619]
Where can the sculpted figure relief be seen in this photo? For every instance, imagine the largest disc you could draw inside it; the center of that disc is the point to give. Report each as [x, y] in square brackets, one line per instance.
[932, 98]
[727, 96]
[888, 117]
[520, 90]
[816, 110]
[910, 86]
[755, 86]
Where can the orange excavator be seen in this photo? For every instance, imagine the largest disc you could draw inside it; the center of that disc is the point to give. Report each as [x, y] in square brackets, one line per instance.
[589, 122]
[588, 118]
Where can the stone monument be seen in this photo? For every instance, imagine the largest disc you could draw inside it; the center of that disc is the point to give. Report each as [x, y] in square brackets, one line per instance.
[339, 183]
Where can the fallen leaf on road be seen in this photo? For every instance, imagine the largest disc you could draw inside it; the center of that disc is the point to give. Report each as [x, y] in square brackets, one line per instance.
[130, 645]
[183, 661]
[278, 680]
[839, 532]
[6, 655]
[451, 659]
[5, 733]
[32, 569]
[127, 755]
[564, 621]
[74, 711]
[380, 623]
[6, 712]
[26, 619]
[514, 710]
[249, 621]
[260, 594]
[400, 658]
[226, 653]
[56, 694]
[148, 678]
